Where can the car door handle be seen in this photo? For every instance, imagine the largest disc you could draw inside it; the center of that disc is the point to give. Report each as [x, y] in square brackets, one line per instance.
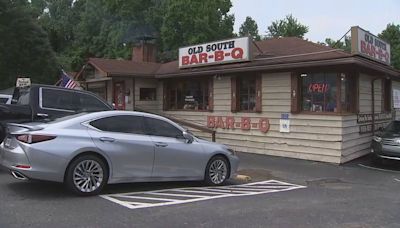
[107, 139]
[161, 144]
[43, 115]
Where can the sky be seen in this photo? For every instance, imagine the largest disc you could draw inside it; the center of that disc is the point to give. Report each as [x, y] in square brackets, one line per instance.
[324, 18]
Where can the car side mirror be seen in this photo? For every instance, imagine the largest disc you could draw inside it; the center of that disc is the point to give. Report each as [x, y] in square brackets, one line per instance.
[188, 137]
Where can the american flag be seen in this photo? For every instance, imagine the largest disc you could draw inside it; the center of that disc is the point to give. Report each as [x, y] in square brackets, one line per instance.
[66, 81]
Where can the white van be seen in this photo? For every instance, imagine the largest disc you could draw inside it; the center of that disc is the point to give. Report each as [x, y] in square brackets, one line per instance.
[5, 99]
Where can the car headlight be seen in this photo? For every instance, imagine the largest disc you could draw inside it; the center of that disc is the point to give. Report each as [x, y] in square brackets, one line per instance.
[377, 138]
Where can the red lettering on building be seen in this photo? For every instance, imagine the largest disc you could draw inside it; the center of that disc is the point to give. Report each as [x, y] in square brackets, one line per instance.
[210, 121]
[219, 55]
[318, 87]
[194, 60]
[237, 53]
[203, 58]
[246, 123]
[185, 60]
[220, 122]
[230, 122]
[264, 125]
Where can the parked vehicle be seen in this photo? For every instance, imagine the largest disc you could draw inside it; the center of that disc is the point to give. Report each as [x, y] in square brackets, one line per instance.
[386, 143]
[44, 102]
[5, 99]
[87, 151]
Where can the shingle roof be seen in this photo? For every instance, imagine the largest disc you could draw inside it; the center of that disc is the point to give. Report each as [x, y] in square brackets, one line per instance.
[115, 67]
[272, 53]
[267, 52]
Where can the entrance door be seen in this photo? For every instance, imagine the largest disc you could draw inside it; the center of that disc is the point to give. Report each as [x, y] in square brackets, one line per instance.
[119, 95]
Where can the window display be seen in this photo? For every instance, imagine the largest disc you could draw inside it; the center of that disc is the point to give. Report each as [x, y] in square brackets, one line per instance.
[188, 94]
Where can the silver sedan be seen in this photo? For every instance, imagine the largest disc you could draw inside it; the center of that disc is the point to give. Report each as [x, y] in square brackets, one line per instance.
[87, 151]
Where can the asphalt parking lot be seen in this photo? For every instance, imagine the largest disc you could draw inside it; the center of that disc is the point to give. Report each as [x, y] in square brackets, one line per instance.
[350, 195]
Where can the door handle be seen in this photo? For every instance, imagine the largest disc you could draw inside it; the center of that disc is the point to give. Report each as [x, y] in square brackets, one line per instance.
[43, 115]
[107, 139]
[161, 144]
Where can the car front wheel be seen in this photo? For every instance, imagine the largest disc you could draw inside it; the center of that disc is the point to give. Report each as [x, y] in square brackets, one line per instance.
[217, 171]
[86, 175]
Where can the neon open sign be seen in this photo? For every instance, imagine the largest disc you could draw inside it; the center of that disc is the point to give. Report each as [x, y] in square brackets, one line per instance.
[318, 87]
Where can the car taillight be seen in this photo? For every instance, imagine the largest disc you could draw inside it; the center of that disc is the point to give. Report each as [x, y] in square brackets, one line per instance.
[34, 138]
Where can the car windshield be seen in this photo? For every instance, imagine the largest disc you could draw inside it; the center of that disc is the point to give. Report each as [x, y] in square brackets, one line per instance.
[393, 127]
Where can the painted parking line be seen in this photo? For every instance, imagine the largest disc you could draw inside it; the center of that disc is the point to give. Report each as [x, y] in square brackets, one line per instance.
[145, 199]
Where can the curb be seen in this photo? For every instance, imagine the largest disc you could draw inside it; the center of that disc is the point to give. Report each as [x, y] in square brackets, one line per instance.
[242, 178]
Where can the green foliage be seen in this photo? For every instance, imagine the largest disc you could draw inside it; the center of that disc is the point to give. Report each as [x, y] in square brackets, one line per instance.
[392, 35]
[288, 27]
[189, 22]
[109, 28]
[249, 28]
[25, 49]
[344, 45]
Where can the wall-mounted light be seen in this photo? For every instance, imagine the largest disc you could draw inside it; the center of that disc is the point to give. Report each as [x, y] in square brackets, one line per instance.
[303, 75]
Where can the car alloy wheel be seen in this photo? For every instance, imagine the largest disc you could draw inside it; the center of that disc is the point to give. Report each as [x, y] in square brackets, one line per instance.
[88, 176]
[217, 171]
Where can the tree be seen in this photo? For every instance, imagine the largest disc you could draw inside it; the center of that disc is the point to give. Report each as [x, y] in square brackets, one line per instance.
[392, 35]
[288, 27]
[25, 49]
[344, 45]
[249, 28]
[189, 22]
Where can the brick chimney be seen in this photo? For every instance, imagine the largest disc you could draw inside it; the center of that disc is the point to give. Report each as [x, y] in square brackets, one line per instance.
[144, 52]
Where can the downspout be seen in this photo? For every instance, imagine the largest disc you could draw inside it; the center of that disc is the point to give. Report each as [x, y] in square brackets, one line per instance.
[373, 104]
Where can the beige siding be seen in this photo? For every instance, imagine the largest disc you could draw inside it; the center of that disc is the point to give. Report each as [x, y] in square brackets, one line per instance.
[396, 85]
[329, 138]
[356, 144]
[365, 96]
[312, 137]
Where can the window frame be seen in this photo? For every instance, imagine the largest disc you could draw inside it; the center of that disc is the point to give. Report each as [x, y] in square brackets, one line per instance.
[155, 94]
[208, 83]
[75, 92]
[148, 128]
[89, 124]
[235, 92]
[297, 92]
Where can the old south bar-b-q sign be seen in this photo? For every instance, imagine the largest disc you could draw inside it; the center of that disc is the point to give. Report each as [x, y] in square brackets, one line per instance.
[219, 52]
[245, 123]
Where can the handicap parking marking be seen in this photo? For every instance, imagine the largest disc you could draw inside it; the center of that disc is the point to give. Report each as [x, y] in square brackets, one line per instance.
[164, 197]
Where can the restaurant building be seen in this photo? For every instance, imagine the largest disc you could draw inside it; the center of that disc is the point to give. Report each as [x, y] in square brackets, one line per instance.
[282, 96]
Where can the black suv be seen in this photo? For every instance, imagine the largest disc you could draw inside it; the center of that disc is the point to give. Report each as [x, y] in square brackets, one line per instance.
[44, 103]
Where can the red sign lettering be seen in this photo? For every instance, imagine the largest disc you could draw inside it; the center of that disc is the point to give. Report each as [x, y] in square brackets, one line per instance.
[318, 87]
[245, 123]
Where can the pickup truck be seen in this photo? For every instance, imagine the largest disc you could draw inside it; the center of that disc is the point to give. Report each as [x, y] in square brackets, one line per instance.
[44, 103]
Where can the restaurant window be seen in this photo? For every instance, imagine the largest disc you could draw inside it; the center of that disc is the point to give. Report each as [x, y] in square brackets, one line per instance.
[147, 94]
[246, 93]
[325, 92]
[188, 94]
